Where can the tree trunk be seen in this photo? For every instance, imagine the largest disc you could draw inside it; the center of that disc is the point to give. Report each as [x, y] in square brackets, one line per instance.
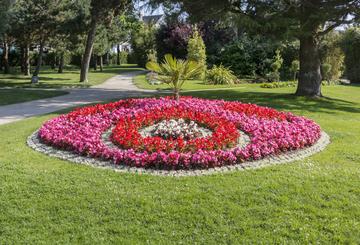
[27, 60]
[107, 58]
[118, 55]
[35, 77]
[61, 63]
[6, 57]
[88, 51]
[22, 61]
[310, 74]
[95, 62]
[54, 62]
[101, 63]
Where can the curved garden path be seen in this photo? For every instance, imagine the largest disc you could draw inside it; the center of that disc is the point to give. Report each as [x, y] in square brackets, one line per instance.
[119, 86]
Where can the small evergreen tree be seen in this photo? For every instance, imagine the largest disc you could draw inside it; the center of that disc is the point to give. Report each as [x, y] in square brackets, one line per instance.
[197, 52]
[295, 66]
[275, 66]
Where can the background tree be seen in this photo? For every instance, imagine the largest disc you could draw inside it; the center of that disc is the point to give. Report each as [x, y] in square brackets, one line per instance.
[173, 38]
[4, 28]
[301, 19]
[249, 56]
[120, 31]
[332, 55]
[351, 46]
[101, 46]
[143, 43]
[39, 19]
[102, 12]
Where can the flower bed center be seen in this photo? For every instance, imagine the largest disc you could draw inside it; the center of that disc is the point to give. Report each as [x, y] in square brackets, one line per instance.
[172, 132]
[175, 129]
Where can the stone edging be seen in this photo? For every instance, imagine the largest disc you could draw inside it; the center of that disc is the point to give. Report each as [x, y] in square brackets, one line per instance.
[34, 142]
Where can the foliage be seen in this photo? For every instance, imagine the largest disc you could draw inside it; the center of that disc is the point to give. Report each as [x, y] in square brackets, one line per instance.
[197, 52]
[249, 56]
[175, 71]
[143, 43]
[351, 46]
[220, 75]
[173, 38]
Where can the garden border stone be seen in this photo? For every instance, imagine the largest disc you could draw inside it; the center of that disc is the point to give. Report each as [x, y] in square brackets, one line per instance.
[34, 142]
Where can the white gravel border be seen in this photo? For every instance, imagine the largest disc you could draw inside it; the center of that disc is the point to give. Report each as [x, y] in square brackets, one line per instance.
[34, 142]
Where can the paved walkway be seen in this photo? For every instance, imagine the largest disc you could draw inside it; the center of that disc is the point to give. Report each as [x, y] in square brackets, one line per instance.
[120, 86]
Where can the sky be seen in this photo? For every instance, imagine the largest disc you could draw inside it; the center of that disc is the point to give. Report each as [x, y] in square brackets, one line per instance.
[141, 7]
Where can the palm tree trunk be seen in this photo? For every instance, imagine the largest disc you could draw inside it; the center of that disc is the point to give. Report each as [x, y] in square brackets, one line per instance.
[177, 94]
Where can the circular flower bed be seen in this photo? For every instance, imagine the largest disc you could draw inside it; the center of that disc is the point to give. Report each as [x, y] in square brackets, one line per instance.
[190, 134]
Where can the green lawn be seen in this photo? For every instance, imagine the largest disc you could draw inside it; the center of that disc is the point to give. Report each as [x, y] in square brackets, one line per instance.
[69, 79]
[141, 82]
[316, 200]
[11, 96]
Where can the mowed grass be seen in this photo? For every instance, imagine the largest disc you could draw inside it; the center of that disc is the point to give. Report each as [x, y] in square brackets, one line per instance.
[49, 78]
[141, 82]
[316, 200]
[11, 96]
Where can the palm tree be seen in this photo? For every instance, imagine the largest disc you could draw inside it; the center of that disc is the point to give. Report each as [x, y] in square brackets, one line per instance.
[175, 72]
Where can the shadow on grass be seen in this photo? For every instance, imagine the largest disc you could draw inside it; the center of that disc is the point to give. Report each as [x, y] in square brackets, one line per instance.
[288, 102]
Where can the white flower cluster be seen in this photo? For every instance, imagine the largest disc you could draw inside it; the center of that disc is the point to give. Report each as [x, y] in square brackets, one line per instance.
[177, 128]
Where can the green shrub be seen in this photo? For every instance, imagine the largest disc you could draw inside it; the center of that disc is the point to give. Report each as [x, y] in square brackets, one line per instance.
[278, 85]
[197, 52]
[351, 46]
[294, 84]
[220, 75]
